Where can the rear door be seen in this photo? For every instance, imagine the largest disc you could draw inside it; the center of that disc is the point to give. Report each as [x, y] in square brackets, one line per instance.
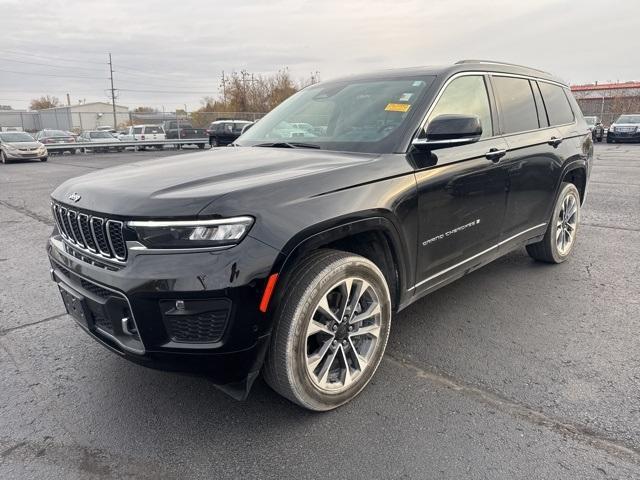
[533, 162]
[461, 193]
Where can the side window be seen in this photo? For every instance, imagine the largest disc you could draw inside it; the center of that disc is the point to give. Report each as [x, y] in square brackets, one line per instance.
[542, 114]
[517, 106]
[466, 96]
[558, 107]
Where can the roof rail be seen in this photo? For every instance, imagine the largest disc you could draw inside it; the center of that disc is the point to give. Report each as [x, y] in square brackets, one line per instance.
[493, 62]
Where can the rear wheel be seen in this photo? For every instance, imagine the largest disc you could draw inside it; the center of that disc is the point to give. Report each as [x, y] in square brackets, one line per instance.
[560, 238]
[331, 330]
[201, 146]
[3, 157]
[213, 142]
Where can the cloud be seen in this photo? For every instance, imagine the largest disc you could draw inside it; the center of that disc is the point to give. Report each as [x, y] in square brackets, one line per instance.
[184, 46]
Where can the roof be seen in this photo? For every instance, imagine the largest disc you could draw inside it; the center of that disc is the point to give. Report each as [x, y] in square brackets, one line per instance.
[460, 66]
[604, 86]
[83, 105]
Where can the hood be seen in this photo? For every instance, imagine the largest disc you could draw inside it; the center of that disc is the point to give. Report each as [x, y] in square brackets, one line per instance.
[24, 145]
[102, 140]
[625, 125]
[183, 185]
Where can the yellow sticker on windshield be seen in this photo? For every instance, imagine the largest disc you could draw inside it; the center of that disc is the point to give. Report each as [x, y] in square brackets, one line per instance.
[397, 107]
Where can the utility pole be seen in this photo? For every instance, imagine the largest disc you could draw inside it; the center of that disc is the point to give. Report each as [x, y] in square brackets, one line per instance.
[113, 93]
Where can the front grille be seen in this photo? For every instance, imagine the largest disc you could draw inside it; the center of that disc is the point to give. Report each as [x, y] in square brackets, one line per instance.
[91, 233]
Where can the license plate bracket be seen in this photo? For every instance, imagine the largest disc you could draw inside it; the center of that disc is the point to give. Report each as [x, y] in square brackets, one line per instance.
[75, 305]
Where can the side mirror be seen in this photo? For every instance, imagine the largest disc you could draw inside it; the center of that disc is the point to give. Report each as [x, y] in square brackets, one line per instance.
[450, 130]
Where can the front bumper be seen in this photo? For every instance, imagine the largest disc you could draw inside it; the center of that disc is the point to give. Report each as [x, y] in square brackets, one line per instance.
[187, 312]
[22, 155]
[624, 136]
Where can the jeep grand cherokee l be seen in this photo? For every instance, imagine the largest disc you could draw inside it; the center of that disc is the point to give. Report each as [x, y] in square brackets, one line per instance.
[288, 255]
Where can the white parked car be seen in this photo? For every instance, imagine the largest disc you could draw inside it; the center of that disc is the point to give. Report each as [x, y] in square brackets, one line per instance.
[143, 133]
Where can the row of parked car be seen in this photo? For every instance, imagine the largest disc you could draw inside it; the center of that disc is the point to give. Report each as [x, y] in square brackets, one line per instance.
[625, 129]
[16, 144]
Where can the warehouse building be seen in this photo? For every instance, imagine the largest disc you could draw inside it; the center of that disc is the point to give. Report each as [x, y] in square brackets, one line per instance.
[608, 101]
[84, 116]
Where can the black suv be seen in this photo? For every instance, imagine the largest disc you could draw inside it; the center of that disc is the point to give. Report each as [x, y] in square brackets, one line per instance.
[289, 253]
[225, 132]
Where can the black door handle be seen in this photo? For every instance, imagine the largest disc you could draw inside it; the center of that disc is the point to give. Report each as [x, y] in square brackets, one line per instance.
[495, 154]
[555, 141]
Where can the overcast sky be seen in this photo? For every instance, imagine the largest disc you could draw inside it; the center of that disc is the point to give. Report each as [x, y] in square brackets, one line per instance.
[183, 46]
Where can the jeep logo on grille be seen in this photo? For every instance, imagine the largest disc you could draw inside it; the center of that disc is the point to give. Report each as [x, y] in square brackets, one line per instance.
[74, 197]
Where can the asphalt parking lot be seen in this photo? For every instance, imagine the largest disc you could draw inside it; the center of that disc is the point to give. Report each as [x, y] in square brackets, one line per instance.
[520, 370]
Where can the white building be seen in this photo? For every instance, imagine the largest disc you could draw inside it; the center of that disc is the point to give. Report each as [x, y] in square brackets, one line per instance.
[84, 116]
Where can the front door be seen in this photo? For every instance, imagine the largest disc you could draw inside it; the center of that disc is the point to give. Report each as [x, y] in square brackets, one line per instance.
[462, 196]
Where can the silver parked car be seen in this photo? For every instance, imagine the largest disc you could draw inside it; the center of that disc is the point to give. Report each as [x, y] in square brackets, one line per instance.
[100, 137]
[21, 146]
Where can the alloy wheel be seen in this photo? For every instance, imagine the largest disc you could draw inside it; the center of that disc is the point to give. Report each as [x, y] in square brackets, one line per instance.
[343, 334]
[566, 224]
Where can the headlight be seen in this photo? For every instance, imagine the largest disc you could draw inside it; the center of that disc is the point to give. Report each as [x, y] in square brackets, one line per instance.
[42, 149]
[191, 233]
[11, 148]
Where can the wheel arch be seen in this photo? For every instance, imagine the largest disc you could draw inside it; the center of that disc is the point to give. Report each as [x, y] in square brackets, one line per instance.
[575, 173]
[374, 236]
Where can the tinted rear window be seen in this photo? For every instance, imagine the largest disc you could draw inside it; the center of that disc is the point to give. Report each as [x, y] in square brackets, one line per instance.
[555, 100]
[517, 105]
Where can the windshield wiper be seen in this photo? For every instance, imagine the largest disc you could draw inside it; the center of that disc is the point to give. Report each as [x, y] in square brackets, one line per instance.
[288, 145]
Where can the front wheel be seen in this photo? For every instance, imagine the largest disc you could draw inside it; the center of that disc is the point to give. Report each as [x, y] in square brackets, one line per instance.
[331, 330]
[560, 238]
[44, 159]
[3, 157]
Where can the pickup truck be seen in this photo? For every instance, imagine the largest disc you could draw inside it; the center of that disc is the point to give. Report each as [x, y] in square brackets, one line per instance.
[183, 130]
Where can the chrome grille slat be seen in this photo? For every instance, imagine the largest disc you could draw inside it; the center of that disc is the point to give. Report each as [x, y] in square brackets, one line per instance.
[99, 236]
[85, 231]
[72, 216]
[116, 241]
[65, 223]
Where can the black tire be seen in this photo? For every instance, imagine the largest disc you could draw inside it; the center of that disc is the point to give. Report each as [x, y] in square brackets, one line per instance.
[72, 152]
[213, 142]
[599, 139]
[286, 365]
[44, 159]
[201, 146]
[609, 140]
[3, 157]
[547, 250]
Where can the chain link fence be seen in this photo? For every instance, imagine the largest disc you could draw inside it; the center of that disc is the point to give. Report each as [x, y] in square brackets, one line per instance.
[67, 119]
[608, 109]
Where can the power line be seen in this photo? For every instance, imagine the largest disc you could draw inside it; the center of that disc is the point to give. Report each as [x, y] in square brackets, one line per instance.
[51, 75]
[50, 65]
[50, 57]
[168, 91]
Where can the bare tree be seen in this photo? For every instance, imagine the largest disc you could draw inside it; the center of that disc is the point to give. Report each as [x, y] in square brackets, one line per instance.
[44, 102]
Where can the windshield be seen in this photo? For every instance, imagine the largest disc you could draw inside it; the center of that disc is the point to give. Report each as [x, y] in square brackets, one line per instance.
[628, 119]
[55, 133]
[355, 116]
[590, 120]
[100, 135]
[16, 137]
